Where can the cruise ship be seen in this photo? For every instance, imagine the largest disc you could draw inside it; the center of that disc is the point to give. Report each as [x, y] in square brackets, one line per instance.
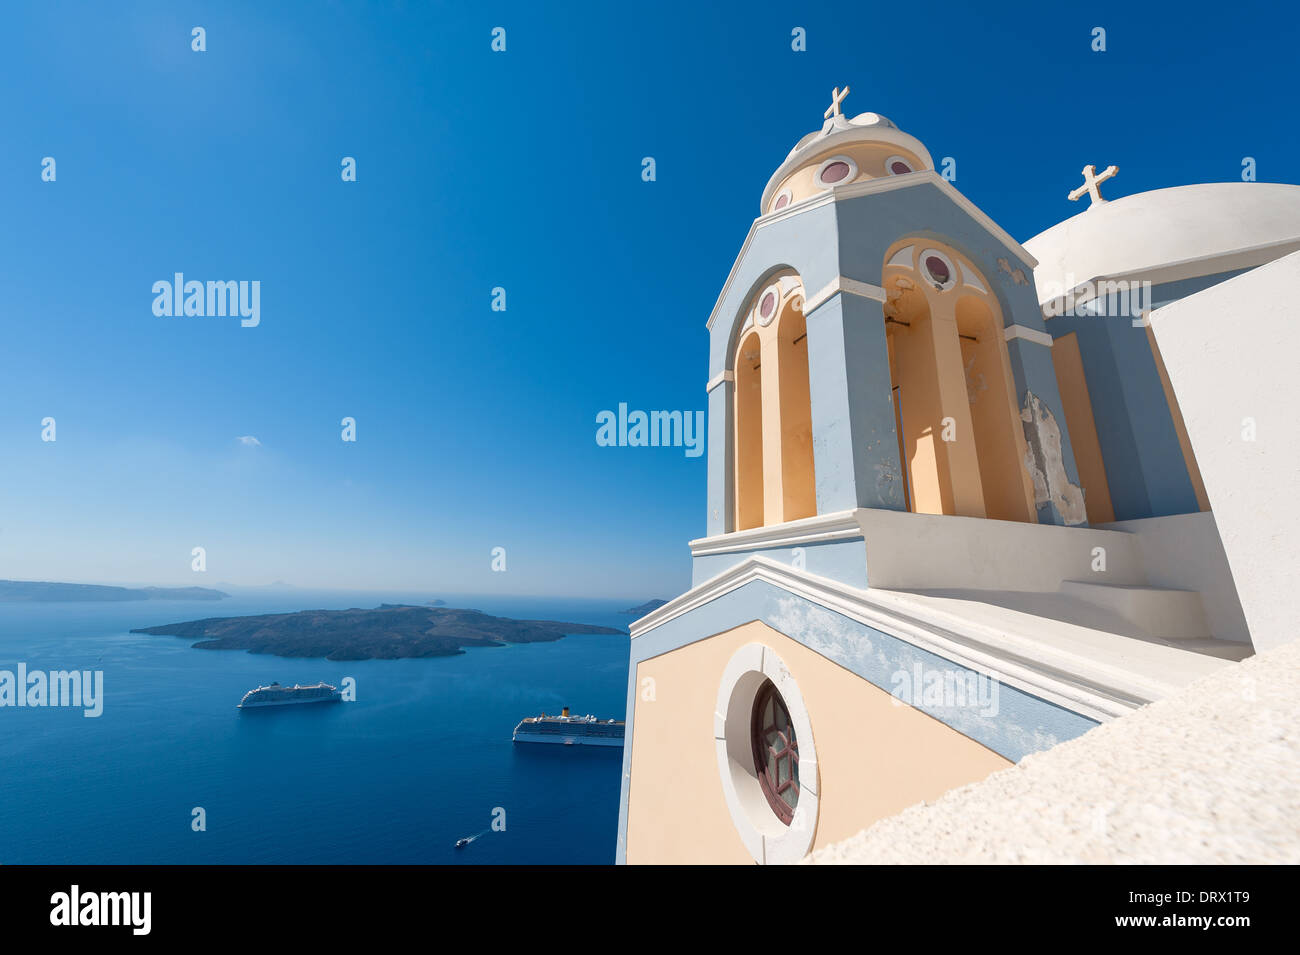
[277, 695]
[569, 730]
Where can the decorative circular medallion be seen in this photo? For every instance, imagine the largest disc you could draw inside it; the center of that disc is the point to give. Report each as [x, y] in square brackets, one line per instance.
[938, 269]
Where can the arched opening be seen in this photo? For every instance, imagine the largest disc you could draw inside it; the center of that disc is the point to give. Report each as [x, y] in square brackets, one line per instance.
[798, 488]
[749, 434]
[919, 413]
[993, 411]
[774, 473]
[960, 438]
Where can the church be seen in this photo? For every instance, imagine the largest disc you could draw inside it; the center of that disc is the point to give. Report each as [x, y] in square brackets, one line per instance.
[967, 498]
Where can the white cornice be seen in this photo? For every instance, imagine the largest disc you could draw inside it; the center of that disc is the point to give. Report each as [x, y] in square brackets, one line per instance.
[719, 378]
[1078, 684]
[842, 525]
[1028, 334]
[871, 187]
[1193, 268]
[842, 284]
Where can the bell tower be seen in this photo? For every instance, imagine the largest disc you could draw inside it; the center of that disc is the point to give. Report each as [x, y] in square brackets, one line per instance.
[878, 344]
[895, 518]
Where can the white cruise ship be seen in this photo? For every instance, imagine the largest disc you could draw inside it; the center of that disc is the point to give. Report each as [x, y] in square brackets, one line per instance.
[569, 730]
[277, 695]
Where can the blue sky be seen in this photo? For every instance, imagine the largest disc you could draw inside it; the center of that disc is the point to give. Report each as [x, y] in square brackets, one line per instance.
[476, 429]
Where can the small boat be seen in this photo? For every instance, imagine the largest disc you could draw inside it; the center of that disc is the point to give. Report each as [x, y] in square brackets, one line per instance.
[462, 843]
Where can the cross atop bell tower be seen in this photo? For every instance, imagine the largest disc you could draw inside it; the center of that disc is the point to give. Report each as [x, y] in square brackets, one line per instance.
[837, 97]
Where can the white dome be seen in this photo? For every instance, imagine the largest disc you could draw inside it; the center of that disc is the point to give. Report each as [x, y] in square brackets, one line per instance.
[839, 131]
[1182, 231]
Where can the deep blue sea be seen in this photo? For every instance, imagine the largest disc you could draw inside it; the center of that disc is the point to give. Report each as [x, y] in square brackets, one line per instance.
[422, 758]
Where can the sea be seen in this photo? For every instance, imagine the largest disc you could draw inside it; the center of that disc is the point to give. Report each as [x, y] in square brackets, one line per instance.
[422, 758]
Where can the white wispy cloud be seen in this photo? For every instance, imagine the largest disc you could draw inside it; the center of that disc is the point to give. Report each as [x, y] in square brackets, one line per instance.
[249, 441]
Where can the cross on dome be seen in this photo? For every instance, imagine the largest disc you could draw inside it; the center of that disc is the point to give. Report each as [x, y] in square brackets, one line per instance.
[837, 97]
[1090, 183]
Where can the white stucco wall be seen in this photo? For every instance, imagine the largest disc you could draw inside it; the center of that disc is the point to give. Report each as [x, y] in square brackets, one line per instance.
[1231, 354]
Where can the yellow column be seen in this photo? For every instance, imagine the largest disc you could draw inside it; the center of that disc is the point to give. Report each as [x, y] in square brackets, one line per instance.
[749, 435]
[773, 471]
[797, 472]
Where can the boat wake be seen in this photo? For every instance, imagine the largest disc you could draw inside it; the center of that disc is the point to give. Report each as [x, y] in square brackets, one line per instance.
[462, 843]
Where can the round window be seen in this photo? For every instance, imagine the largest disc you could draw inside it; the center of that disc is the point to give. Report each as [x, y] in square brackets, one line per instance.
[769, 779]
[782, 200]
[898, 166]
[938, 269]
[776, 752]
[837, 171]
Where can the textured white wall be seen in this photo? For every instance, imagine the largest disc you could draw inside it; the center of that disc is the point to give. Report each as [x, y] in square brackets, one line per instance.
[1208, 776]
[1232, 353]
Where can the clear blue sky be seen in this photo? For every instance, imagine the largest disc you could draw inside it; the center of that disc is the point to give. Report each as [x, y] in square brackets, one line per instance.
[476, 428]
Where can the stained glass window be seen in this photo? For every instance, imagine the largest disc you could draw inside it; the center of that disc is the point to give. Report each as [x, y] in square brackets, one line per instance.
[776, 752]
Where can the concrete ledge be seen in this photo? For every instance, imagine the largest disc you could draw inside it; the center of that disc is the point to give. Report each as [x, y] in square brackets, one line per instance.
[934, 551]
[1096, 674]
[907, 551]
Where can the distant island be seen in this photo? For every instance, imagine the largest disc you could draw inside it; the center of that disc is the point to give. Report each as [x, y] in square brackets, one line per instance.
[645, 608]
[388, 632]
[40, 591]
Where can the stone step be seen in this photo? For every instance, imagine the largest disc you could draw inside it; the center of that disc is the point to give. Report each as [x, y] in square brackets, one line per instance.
[1223, 649]
[1157, 611]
